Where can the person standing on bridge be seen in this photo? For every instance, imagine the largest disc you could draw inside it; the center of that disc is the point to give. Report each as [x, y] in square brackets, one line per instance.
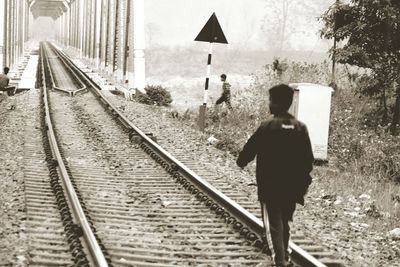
[284, 162]
[4, 81]
[226, 93]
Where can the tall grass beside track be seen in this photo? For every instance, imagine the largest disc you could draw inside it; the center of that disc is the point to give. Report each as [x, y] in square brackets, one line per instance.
[363, 157]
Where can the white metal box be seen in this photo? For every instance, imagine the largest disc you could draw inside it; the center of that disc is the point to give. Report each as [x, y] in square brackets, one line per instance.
[312, 105]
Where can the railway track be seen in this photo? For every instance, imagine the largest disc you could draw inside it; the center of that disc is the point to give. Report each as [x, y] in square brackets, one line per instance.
[47, 239]
[141, 206]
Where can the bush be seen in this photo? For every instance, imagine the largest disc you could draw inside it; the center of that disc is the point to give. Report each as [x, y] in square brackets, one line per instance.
[358, 140]
[155, 95]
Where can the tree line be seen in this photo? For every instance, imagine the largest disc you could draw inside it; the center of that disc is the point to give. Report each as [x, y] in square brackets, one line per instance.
[369, 31]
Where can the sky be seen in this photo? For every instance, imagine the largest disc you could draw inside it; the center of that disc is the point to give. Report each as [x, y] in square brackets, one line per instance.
[177, 22]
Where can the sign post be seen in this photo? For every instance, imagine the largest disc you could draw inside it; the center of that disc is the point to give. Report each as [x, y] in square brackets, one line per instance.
[212, 33]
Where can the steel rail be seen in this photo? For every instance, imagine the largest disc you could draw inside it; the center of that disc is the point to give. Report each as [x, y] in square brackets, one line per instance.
[53, 84]
[97, 255]
[51, 72]
[46, 57]
[82, 84]
[251, 221]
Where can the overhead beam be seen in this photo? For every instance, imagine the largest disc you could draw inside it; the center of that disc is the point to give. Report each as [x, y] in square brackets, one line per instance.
[49, 8]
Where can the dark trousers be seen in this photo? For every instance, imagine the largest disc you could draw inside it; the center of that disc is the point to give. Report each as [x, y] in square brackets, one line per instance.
[277, 230]
[9, 89]
[225, 98]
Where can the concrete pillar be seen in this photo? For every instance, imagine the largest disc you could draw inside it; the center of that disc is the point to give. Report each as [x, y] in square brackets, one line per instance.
[120, 40]
[110, 37]
[67, 15]
[12, 34]
[98, 32]
[2, 33]
[31, 19]
[11, 37]
[130, 66]
[71, 25]
[89, 28]
[126, 40]
[93, 29]
[57, 32]
[18, 32]
[115, 37]
[20, 16]
[7, 32]
[27, 21]
[63, 29]
[107, 36]
[103, 33]
[22, 27]
[77, 25]
[85, 27]
[7, 18]
[60, 29]
[81, 30]
[139, 45]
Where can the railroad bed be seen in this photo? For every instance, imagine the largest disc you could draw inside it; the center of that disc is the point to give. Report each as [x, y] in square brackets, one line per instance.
[47, 240]
[139, 212]
[142, 210]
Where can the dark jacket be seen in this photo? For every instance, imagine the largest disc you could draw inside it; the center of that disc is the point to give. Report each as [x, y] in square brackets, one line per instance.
[284, 159]
[4, 81]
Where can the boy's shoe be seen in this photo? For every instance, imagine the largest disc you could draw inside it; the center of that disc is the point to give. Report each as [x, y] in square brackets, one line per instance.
[288, 259]
[288, 264]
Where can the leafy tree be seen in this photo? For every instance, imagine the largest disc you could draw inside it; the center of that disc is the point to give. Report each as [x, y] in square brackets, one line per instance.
[370, 31]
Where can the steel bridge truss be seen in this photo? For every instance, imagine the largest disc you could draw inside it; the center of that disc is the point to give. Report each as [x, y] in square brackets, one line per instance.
[107, 33]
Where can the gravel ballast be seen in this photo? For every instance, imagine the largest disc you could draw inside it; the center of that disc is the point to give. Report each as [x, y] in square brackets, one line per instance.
[337, 222]
[12, 197]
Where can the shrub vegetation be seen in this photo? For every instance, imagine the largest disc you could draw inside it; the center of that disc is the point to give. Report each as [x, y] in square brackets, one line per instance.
[155, 95]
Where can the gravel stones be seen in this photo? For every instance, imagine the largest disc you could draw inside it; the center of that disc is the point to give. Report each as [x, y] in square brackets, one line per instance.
[395, 234]
[12, 197]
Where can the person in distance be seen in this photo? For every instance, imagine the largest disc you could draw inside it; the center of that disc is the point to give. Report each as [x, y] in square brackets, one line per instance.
[4, 81]
[284, 162]
[226, 93]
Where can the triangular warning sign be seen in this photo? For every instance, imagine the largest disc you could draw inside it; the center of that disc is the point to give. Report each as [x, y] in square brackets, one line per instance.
[212, 32]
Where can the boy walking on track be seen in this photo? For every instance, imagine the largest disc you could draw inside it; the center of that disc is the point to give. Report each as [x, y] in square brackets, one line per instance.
[226, 93]
[284, 162]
